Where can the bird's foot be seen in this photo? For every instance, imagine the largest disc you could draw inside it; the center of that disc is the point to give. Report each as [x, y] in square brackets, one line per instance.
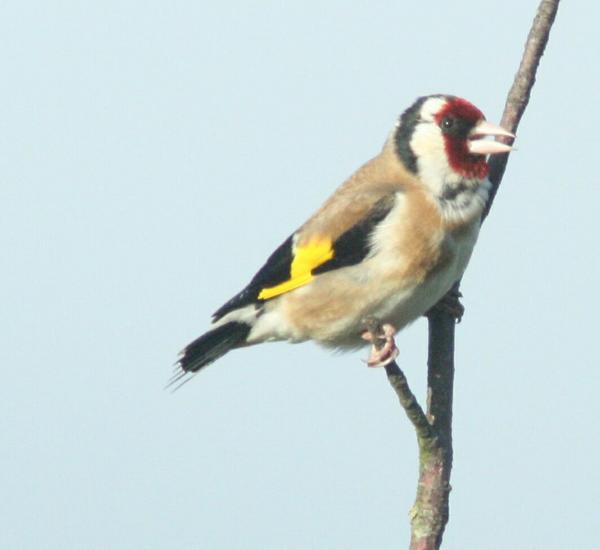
[383, 350]
[450, 303]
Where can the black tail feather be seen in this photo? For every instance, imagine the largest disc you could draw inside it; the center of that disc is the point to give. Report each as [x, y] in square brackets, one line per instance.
[212, 345]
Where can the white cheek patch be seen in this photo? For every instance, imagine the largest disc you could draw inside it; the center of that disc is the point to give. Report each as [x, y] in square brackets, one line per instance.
[427, 140]
[428, 145]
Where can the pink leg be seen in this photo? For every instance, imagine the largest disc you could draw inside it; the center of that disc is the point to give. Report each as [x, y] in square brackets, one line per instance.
[386, 353]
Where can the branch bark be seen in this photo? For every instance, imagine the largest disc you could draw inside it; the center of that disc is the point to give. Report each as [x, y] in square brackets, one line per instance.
[430, 513]
[520, 91]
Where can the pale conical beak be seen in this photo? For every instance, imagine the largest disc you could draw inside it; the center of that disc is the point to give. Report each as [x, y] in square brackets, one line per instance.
[478, 145]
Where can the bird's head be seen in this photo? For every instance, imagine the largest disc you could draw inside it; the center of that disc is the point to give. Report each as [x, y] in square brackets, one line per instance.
[441, 139]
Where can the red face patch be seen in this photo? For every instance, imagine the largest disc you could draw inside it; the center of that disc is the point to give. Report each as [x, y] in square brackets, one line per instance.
[456, 119]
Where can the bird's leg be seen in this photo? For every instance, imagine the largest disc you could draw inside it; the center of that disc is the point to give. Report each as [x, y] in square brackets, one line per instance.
[383, 350]
[450, 303]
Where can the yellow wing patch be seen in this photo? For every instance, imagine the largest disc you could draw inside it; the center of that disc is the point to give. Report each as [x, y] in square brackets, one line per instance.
[306, 258]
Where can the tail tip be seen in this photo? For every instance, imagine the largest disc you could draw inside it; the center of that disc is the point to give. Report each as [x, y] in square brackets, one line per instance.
[206, 349]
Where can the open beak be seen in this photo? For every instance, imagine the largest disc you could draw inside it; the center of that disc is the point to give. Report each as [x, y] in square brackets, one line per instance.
[478, 145]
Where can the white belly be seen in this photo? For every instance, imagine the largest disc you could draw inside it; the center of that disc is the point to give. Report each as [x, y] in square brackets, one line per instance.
[409, 305]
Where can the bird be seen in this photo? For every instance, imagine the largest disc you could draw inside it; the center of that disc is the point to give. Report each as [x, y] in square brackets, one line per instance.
[388, 244]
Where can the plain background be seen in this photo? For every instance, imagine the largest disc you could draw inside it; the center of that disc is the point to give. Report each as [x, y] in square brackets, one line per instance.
[154, 153]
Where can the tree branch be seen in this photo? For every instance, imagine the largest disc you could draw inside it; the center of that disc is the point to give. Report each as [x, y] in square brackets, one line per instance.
[430, 512]
[399, 382]
[520, 91]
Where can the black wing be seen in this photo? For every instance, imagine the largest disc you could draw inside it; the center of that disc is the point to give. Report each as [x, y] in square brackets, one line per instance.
[349, 249]
[276, 270]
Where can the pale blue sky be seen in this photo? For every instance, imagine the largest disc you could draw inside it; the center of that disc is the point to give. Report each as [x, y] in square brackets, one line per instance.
[154, 153]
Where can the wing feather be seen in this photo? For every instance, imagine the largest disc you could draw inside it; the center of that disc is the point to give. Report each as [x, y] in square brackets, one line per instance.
[291, 266]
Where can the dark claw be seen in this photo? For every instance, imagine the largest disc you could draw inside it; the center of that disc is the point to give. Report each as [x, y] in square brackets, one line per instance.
[451, 304]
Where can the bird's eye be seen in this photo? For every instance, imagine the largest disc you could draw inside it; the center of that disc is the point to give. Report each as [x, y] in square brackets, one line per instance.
[447, 123]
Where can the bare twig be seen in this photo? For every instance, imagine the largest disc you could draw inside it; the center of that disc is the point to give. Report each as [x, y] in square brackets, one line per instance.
[400, 383]
[430, 512]
[520, 91]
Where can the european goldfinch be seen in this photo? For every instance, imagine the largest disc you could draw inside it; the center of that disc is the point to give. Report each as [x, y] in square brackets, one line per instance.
[389, 243]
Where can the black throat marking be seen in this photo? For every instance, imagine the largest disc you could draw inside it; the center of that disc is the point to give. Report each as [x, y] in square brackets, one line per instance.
[449, 193]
